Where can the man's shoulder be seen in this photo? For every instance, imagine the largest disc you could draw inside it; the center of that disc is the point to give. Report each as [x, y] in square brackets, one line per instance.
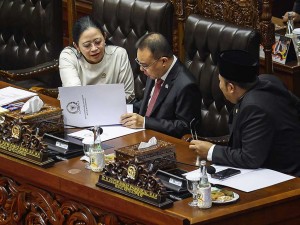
[184, 76]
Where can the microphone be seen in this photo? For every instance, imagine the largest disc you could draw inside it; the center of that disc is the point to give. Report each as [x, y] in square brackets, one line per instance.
[211, 170]
[95, 128]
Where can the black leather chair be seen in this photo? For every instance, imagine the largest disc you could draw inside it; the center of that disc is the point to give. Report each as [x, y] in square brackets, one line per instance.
[125, 21]
[204, 39]
[30, 42]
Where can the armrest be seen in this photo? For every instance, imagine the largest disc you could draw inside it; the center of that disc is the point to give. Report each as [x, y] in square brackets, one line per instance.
[52, 92]
[31, 72]
[221, 140]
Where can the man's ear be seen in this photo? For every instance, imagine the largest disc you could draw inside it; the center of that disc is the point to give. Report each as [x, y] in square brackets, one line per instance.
[231, 87]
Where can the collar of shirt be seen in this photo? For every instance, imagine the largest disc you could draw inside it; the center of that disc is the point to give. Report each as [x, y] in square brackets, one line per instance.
[164, 77]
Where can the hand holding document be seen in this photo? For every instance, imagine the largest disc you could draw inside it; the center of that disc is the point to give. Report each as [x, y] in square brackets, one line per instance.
[93, 104]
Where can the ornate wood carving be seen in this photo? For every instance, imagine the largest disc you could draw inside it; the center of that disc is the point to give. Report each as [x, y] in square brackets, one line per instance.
[135, 180]
[239, 12]
[25, 204]
[267, 31]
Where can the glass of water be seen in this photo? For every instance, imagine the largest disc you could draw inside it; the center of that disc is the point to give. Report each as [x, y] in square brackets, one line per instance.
[192, 186]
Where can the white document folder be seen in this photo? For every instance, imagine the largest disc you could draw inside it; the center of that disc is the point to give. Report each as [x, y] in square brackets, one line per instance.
[92, 105]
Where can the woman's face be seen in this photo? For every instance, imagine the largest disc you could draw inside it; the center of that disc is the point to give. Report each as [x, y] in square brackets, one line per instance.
[91, 44]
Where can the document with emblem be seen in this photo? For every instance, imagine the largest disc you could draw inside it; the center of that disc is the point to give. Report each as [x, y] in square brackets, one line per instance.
[92, 105]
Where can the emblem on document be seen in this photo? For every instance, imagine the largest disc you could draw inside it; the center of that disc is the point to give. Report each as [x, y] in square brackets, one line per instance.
[73, 107]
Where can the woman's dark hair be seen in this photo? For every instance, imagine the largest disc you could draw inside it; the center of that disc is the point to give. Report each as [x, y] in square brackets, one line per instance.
[83, 24]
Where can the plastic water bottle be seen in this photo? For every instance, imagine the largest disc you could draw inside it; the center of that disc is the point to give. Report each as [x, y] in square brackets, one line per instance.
[204, 189]
[97, 158]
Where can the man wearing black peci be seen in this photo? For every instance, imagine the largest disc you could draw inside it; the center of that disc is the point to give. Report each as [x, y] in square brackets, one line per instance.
[264, 124]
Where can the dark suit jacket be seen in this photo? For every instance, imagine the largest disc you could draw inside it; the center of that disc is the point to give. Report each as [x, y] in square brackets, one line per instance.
[178, 102]
[265, 130]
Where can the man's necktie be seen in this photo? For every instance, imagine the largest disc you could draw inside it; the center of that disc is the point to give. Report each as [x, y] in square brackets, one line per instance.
[154, 96]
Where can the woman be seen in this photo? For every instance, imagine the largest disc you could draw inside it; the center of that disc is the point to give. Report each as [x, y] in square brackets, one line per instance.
[90, 61]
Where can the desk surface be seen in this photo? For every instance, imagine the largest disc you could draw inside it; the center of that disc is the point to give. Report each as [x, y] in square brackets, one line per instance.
[70, 179]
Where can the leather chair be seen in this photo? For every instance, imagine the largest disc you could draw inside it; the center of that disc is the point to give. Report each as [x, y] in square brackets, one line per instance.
[204, 39]
[30, 42]
[125, 21]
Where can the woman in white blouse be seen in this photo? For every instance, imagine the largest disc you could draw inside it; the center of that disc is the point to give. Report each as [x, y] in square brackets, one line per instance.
[90, 61]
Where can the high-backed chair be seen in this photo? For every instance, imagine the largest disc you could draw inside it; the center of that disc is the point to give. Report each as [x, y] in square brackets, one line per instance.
[255, 14]
[125, 21]
[204, 39]
[30, 42]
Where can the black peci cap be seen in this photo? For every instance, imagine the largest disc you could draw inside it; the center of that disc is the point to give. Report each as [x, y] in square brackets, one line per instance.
[238, 66]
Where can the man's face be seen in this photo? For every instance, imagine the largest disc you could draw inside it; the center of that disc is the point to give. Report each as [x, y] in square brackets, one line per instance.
[151, 67]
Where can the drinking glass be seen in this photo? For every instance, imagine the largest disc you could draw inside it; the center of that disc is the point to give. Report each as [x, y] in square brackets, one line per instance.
[192, 186]
[87, 145]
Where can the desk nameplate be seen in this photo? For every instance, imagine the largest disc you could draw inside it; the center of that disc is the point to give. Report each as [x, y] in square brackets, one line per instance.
[32, 156]
[133, 191]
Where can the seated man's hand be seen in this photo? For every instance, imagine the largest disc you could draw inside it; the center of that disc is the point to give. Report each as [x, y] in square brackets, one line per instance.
[296, 17]
[132, 120]
[201, 147]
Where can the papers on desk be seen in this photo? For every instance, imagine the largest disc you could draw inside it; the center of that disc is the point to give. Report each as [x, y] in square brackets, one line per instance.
[249, 180]
[92, 105]
[109, 132]
[11, 94]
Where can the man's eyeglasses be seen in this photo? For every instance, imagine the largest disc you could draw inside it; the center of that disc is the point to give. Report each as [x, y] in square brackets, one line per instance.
[145, 67]
[97, 42]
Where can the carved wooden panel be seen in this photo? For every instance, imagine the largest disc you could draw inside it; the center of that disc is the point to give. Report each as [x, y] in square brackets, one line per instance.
[24, 204]
[239, 12]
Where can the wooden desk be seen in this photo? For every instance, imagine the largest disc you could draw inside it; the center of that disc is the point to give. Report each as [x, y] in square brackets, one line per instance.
[66, 194]
[288, 73]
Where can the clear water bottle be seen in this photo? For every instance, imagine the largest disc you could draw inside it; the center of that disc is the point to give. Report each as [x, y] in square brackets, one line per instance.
[97, 159]
[290, 25]
[204, 189]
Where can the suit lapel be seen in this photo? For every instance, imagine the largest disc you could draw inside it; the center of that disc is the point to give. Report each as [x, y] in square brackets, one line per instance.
[235, 114]
[166, 87]
[148, 88]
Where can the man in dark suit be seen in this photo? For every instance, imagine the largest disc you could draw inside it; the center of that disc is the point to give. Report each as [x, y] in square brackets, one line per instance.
[171, 98]
[264, 124]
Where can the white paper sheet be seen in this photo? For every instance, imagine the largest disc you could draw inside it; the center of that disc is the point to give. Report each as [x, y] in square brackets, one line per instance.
[249, 180]
[93, 104]
[109, 132]
[11, 94]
